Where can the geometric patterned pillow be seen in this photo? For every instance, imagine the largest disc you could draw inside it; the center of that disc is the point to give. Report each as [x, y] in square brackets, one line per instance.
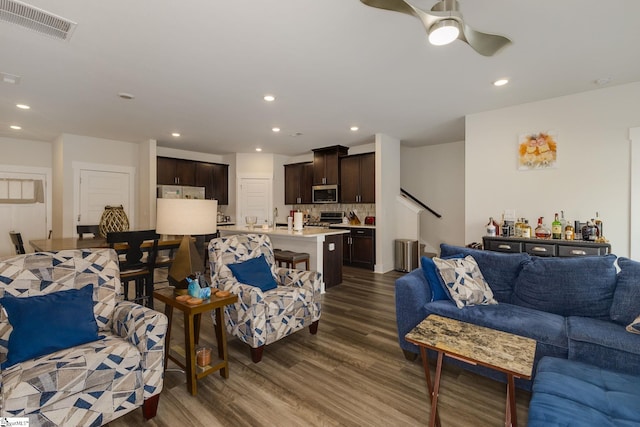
[464, 282]
[634, 327]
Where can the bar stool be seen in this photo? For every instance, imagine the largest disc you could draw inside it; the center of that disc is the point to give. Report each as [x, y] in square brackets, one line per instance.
[291, 259]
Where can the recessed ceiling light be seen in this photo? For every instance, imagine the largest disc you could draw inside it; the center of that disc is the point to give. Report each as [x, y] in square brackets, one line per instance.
[125, 95]
[12, 79]
[500, 82]
[275, 129]
[269, 98]
[15, 127]
[354, 128]
[258, 149]
[603, 81]
[175, 134]
[23, 106]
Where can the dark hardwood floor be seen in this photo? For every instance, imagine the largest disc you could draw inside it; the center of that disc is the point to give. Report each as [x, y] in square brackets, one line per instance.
[352, 373]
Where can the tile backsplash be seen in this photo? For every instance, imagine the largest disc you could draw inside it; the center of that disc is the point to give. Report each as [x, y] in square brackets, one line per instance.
[361, 209]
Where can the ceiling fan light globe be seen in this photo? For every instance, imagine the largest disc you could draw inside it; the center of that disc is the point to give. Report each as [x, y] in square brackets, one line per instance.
[444, 32]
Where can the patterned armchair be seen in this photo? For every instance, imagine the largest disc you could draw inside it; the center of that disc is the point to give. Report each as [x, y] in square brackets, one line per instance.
[261, 318]
[93, 383]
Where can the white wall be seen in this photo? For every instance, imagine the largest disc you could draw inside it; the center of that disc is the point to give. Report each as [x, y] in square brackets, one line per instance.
[387, 188]
[435, 175]
[75, 148]
[24, 152]
[593, 172]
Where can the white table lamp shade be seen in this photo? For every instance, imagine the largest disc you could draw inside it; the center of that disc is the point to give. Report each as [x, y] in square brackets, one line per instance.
[186, 216]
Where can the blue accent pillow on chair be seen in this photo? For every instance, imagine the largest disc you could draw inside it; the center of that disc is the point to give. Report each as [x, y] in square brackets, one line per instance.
[48, 323]
[254, 272]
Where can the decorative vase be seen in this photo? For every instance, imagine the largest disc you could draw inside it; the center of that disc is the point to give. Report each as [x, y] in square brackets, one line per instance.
[114, 218]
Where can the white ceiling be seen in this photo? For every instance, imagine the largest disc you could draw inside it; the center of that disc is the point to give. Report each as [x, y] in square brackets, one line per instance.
[201, 68]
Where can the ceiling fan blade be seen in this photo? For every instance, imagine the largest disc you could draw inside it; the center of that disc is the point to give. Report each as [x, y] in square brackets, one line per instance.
[394, 5]
[484, 43]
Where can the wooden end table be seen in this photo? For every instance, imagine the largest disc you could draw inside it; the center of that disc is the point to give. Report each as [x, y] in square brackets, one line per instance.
[192, 318]
[477, 345]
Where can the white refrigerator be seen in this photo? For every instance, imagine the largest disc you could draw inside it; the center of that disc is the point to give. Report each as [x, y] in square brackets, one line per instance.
[180, 192]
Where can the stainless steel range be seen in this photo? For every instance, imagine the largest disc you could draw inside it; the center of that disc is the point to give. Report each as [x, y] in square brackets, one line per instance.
[326, 219]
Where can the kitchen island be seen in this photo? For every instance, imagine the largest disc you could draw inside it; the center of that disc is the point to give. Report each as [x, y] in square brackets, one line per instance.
[324, 246]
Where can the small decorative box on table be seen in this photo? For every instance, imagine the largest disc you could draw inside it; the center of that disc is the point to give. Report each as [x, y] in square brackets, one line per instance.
[192, 318]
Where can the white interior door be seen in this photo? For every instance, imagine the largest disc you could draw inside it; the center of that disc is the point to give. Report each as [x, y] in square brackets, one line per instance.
[254, 196]
[99, 189]
[27, 218]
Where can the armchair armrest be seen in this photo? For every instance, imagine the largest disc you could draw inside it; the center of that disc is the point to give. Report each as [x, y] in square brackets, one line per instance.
[146, 329]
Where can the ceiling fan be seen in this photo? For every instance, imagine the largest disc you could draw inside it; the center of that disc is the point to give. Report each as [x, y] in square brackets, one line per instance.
[444, 24]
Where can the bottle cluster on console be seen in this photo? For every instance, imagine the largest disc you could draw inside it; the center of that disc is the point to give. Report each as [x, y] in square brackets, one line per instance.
[561, 229]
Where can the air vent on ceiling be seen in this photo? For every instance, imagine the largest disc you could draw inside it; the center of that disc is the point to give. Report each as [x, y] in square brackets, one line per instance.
[35, 19]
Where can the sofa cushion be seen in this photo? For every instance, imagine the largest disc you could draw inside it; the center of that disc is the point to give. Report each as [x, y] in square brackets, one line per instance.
[626, 298]
[603, 343]
[572, 393]
[47, 323]
[464, 282]
[255, 272]
[581, 286]
[500, 270]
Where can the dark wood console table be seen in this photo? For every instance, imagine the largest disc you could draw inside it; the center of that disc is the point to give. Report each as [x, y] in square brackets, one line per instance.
[545, 247]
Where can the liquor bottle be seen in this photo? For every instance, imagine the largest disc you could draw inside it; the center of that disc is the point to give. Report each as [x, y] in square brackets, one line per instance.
[542, 232]
[491, 228]
[569, 234]
[598, 224]
[556, 228]
[589, 231]
[526, 230]
[517, 228]
[563, 222]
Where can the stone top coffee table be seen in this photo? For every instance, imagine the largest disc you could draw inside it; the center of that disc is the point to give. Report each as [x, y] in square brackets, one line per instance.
[501, 351]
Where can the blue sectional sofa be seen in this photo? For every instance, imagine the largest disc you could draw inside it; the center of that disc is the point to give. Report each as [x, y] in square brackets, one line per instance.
[575, 308]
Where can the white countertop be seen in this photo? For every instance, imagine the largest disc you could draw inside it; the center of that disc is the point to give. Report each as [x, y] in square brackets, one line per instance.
[282, 231]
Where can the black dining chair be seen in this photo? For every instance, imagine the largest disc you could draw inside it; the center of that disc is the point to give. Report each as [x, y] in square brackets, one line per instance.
[16, 239]
[134, 265]
[88, 229]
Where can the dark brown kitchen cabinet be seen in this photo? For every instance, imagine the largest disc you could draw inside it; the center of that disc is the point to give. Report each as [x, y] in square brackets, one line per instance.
[332, 260]
[326, 164]
[358, 178]
[214, 177]
[359, 248]
[175, 171]
[221, 183]
[298, 179]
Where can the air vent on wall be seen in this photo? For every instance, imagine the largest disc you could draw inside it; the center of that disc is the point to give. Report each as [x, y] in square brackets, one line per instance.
[35, 19]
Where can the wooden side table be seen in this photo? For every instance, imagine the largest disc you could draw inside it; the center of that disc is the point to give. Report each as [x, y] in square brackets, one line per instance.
[477, 345]
[192, 318]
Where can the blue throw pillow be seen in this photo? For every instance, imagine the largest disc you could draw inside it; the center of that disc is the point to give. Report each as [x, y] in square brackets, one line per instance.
[48, 323]
[435, 281]
[254, 272]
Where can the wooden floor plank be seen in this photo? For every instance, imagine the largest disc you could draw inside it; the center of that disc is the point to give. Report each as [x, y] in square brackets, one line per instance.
[352, 373]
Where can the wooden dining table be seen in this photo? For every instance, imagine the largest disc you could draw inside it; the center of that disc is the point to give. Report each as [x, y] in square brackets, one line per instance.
[65, 243]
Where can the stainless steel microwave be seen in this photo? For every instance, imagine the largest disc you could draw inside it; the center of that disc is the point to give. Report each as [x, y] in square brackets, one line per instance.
[324, 193]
